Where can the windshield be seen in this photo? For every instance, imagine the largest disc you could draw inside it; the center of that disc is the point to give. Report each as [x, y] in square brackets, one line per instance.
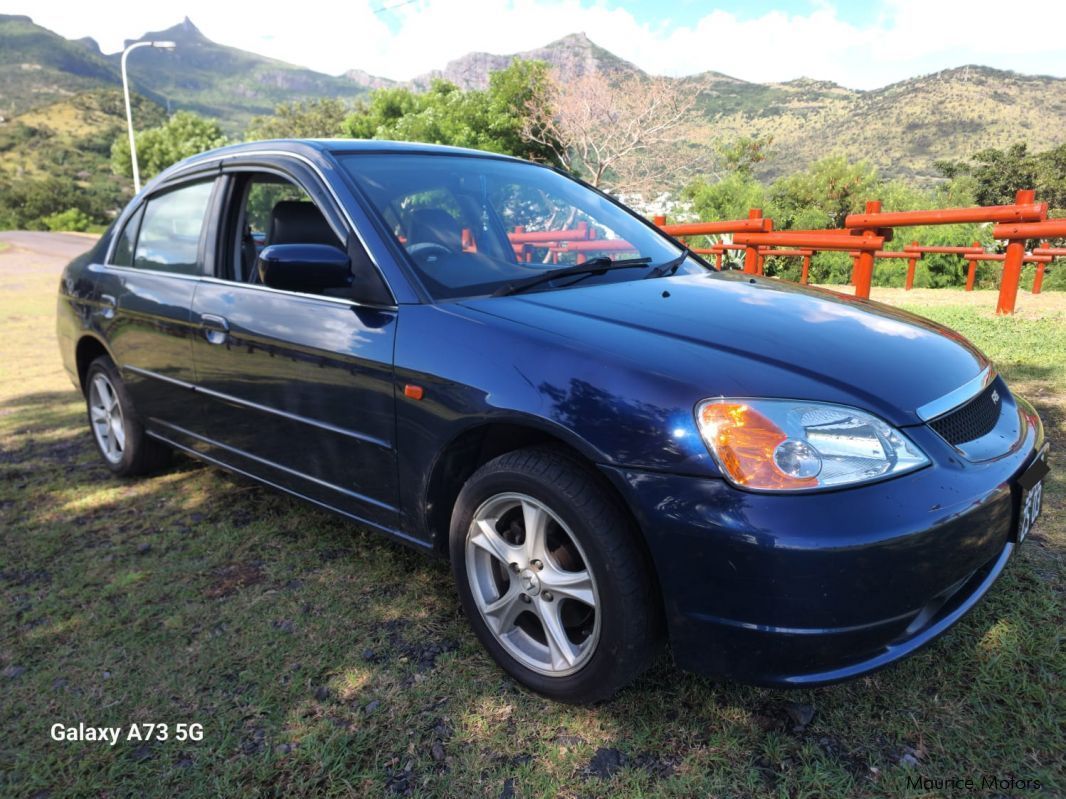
[474, 226]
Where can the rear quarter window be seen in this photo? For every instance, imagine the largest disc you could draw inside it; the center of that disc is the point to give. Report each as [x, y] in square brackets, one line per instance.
[123, 254]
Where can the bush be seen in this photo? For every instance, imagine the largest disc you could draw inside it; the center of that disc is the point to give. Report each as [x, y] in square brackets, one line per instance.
[73, 219]
[831, 267]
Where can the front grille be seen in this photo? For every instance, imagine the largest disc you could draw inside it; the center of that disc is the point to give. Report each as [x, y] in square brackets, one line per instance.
[971, 420]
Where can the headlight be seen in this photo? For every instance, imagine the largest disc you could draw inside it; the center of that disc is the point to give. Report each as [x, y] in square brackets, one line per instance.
[785, 445]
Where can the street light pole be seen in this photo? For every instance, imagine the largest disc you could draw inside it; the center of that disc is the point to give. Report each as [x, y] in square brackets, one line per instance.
[129, 112]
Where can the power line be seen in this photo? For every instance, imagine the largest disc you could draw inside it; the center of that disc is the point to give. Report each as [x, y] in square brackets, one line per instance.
[394, 5]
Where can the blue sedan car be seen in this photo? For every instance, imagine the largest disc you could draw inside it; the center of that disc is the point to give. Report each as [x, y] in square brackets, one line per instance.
[614, 444]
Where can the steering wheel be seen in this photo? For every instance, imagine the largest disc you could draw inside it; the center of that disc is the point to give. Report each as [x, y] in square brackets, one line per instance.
[428, 248]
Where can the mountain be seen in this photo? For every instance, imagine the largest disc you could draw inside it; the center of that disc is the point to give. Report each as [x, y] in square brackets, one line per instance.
[902, 129]
[225, 82]
[571, 57]
[38, 67]
[360, 77]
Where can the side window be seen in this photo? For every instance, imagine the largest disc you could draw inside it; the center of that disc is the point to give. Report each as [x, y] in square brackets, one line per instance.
[123, 255]
[169, 238]
[265, 192]
[274, 210]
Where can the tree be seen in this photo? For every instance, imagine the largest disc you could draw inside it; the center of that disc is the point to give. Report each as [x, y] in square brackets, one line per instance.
[996, 175]
[741, 155]
[729, 198]
[511, 92]
[825, 194]
[181, 136]
[322, 118]
[628, 136]
[1001, 173]
[491, 119]
[1051, 179]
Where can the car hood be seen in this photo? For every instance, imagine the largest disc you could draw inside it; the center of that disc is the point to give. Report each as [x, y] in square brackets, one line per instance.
[732, 335]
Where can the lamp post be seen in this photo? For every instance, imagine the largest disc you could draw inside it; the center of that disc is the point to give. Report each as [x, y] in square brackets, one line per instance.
[129, 113]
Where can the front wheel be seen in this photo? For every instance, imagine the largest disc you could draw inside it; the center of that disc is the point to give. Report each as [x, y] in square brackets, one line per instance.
[551, 576]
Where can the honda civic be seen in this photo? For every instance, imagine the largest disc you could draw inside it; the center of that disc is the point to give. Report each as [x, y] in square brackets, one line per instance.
[616, 446]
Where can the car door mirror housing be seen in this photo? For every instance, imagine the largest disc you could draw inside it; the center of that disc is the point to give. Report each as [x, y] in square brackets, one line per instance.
[307, 268]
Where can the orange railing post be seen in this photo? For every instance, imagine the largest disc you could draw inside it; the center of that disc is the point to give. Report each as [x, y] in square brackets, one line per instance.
[1012, 263]
[751, 253]
[971, 272]
[718, 261]
[805, 273]
[1038, 281]
[863, 273]
[912, 265]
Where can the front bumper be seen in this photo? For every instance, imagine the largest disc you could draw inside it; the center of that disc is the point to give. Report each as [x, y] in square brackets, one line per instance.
[804, 590]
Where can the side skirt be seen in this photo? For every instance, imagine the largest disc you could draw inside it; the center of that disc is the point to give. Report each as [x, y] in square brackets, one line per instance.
[398, 535]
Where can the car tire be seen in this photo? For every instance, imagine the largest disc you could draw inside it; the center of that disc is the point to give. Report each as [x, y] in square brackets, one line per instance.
[573, 613]
[117, 429]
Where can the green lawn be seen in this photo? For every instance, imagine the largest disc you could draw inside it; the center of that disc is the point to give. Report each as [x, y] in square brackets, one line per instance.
[323, 661]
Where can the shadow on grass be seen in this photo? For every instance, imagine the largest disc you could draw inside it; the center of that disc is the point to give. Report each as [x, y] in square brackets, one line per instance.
[324, 660]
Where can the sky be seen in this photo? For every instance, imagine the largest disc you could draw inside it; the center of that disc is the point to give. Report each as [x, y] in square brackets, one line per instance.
[862, 45]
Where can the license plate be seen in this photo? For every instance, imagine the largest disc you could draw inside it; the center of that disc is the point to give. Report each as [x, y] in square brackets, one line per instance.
[1032, 485]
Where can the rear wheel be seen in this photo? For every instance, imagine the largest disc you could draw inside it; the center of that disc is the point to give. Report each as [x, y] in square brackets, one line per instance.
[551, 576]
[117, 430]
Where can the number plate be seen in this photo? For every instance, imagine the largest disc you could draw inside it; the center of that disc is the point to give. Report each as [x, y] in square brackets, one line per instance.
[1032, 485]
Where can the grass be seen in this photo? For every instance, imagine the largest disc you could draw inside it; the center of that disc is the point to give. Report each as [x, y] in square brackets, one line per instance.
[323, 661]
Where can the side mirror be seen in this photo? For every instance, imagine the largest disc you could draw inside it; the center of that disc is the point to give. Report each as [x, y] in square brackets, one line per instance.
[308, 268]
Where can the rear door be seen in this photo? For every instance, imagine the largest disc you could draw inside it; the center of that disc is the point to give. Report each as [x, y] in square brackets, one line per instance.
[145, 291]
[297, 387]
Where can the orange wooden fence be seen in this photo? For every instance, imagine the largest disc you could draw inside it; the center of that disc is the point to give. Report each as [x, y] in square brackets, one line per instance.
[863, 237]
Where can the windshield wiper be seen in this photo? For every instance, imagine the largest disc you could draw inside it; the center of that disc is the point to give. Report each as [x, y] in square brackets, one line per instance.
[593, 266]
[670, 266]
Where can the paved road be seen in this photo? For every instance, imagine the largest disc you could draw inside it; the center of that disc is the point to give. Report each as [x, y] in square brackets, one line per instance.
[35, 251]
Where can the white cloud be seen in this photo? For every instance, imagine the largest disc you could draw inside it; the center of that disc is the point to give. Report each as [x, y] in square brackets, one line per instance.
[903, 38]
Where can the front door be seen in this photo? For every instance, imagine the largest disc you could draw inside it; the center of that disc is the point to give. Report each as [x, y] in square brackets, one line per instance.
[296, 387]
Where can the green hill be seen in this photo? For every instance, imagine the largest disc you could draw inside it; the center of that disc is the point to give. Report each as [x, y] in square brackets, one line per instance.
[224, 82]
[58, 156]
[38, 67]
[902, 129]
[60, 108]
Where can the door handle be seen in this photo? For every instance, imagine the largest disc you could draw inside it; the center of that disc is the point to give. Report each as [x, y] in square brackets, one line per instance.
[216, 328]
[109, 304]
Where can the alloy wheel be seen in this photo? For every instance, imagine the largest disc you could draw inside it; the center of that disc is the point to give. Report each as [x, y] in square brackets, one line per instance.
[532, 584]
[105, 414]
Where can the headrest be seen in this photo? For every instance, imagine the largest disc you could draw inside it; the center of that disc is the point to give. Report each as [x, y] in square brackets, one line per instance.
[436, 226]
[296, 222]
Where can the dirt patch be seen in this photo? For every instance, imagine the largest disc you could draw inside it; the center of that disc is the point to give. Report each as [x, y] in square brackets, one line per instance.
[232, 577]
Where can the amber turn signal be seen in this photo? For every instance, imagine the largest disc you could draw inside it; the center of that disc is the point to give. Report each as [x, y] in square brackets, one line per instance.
[744, 442]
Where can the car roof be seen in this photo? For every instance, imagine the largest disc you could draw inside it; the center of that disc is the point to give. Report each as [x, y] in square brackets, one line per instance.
[334, 146]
